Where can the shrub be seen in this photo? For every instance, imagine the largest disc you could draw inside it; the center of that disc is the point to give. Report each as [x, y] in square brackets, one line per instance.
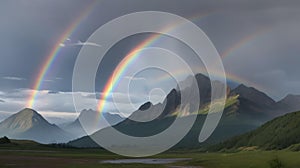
[4, 140]
[276, 163]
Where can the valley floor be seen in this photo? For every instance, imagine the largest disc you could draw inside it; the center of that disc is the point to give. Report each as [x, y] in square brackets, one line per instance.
[67, 158]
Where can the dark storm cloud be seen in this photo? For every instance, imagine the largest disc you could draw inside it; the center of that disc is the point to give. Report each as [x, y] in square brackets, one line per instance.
[29, 30]
[271, 60]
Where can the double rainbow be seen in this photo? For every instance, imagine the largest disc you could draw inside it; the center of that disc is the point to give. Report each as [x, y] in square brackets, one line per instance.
[125, 63]
[137, 51]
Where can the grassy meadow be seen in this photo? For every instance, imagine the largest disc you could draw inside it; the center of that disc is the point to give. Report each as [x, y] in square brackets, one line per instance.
[35, 155]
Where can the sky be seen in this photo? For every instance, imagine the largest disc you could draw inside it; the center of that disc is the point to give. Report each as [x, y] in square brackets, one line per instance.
[258, 41]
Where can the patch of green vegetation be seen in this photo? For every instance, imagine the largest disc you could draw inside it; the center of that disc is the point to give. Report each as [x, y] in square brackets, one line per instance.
[116, 166]
[4, 140]
[229, 105]
[276, 163]
[253, 159]
[229, 108]
[295, 147]
[277, 134]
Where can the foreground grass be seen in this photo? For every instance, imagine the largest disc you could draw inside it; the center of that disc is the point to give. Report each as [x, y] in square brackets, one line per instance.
[89, 158]
[254, 159]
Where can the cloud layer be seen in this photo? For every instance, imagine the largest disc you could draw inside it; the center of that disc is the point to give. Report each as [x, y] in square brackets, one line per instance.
[30, 30]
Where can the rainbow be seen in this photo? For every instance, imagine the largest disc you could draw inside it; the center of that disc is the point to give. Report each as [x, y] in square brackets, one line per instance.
[129, 59]
[121, 68]
[238, 45]
[50, 59]
[242, 42]
[53, 55]
[136, 52]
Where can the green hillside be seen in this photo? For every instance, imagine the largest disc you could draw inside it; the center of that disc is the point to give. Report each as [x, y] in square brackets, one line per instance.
[279, 133]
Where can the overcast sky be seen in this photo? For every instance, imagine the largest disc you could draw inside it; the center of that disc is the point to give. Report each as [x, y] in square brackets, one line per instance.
[259, 41]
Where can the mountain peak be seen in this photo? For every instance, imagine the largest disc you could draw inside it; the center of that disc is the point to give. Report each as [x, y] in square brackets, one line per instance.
[243, 87]
[146, 106]
[291, 102]
[29, 124]
[253, 94]
[23, 120]
[86, 112]
[30, 114]
[292, 97]
[201, 76]
[28, 111]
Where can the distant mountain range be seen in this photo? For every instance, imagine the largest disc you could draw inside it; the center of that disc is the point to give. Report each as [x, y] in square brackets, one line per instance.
[246, 109]
[290, 103]
[249, 102]
[90, 121]
[279, 133]
[30, 125]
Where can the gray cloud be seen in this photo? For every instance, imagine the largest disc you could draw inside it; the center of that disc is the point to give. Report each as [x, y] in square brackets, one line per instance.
[13, 78]
[79, 43]
[60, 104]
[30, 30]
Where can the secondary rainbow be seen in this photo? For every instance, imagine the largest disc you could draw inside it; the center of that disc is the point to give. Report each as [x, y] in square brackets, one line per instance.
[242, 42]
[134, 54]
[53, 55]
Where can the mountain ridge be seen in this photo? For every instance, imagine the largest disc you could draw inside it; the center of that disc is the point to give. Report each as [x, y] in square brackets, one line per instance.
[243, 103]
[89, 121]
[245, 109]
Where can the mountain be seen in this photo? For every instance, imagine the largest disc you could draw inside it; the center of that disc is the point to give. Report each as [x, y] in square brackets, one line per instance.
[258, 105]
[229, 126]
[279, 133]
[246, 108]
[171, 104]
[204, 86]
[248, 103]
[92, 122]
[253, 95]
[288, 104]
[254, 104]
[29, 124]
